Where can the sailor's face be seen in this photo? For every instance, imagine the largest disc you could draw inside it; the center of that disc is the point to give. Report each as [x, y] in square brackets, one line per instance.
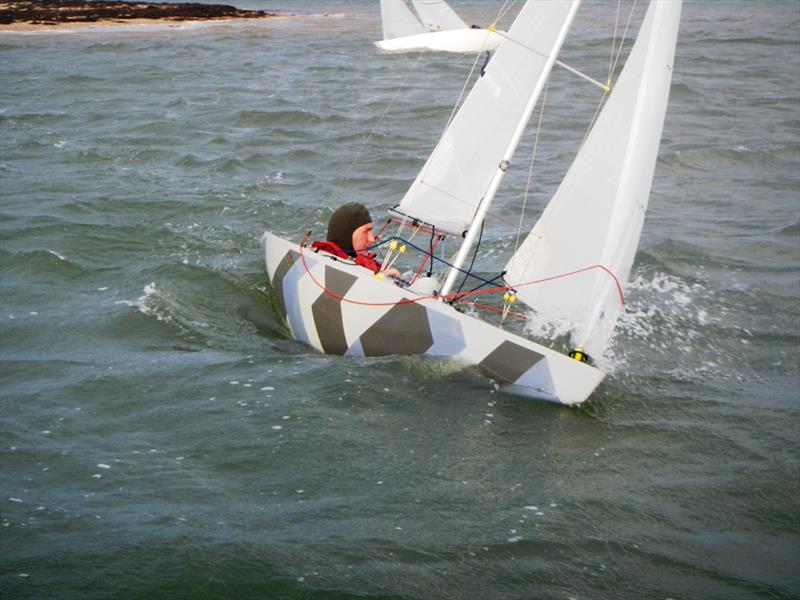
[363, 237]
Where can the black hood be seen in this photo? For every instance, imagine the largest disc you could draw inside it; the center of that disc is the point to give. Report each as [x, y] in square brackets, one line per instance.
[344, 221]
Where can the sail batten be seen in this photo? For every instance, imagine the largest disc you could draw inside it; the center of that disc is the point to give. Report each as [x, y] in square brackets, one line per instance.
[597, 213]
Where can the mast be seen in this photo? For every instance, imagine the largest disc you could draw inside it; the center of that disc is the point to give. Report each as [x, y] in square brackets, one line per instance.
[502, 167]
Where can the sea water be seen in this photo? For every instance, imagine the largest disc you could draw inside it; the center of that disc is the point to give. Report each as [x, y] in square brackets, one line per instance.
[161, 434]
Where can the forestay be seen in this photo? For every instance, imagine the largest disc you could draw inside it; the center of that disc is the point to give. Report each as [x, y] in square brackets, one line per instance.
[436, 15]
[458, 173]
[596, 215]
[398, 20]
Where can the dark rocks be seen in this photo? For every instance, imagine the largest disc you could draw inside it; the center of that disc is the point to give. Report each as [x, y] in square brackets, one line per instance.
[47, 12]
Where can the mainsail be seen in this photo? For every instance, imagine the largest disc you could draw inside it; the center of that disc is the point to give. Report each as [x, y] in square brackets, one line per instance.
[459, 172]
[436, 15]
[595, 218]
[398, 20]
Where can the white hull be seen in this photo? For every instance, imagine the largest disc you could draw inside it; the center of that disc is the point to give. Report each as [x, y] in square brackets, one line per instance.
[454, 40]
[360, 315]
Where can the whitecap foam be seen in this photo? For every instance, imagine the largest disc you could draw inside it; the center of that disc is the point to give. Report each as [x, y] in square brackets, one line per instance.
[663, 312]
[667, 318]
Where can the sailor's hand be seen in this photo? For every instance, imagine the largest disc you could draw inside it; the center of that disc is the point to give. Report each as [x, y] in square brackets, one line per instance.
[392, 272]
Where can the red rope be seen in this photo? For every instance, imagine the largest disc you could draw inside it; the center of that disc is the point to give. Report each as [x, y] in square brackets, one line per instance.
[505, 288]
[457, 295]
[497, 309]
[348, 300]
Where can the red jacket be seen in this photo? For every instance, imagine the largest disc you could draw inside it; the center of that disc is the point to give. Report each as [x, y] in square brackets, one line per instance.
[366, 260]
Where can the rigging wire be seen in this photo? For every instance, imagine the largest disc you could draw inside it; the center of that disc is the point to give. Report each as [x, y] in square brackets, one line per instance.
[614, 42]
[533, 159]
[402, 86]
[624, 35]
[457, 105]
[614, 60]
[508, 4]
[474, 256]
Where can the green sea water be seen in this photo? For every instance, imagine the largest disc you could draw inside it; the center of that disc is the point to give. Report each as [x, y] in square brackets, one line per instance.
[162, 436]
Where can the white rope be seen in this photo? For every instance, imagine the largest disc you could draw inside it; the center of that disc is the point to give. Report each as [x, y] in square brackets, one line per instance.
[624, 35]
[507, 6]
[614, 42]
[457, 105]
[613, 64]
[402, 86]
[533, 159]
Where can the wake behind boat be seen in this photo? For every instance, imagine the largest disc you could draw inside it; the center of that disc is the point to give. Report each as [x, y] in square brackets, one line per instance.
[432, 25]
[341, 308]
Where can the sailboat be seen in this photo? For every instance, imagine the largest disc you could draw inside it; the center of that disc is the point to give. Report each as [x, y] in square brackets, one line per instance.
[435, 26]
[575, 261]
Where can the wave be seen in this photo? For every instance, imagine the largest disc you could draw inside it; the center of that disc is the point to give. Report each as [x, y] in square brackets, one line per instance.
[284, 118]
[770, 42]
[219, 165]
[78, 79]
[43, 118]
[716, 158]
[792, 231]
[684, 329]
[277, 134]
[42, 264]
[207, 307]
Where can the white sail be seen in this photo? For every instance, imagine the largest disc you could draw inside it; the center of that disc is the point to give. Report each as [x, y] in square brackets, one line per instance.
[436, 15]
[596, 215]
[452, 40]
[398, 20]
[458, 173]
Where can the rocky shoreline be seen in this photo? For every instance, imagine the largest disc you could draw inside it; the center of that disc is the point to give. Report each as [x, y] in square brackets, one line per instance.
[55, 13]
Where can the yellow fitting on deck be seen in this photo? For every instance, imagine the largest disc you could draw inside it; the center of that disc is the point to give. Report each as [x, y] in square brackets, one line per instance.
[393, 245]
[492, 27]
[403, 249]
[379, 276]
[579, 355]
[607, 86]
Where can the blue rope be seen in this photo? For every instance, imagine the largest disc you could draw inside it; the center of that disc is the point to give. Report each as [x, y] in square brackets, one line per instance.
[441, 260]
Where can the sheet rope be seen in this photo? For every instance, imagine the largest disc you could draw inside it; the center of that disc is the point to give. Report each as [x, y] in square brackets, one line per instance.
[454, 296]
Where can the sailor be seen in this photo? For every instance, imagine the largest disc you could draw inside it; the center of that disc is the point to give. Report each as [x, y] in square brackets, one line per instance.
[350, 235]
